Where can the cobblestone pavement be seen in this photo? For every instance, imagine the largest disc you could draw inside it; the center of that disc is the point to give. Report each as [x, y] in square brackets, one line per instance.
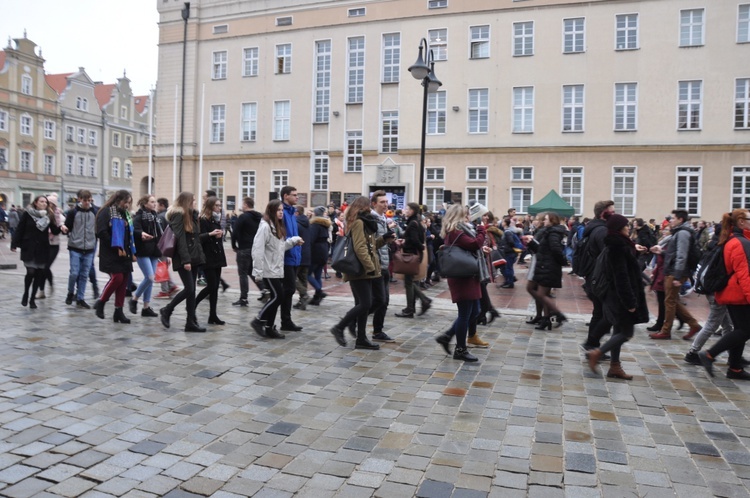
[93, 408]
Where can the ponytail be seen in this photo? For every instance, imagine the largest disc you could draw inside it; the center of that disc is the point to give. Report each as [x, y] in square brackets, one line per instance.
[728, 222]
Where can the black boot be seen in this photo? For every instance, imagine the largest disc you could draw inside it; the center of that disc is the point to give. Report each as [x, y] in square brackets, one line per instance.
[99, 308]
[259, 326]
[273, 333]
[119, 316]
[364, 343]
[215, 320]
[69, 298]
[164, 314]
[315, 301]
[463, 354]
[192, 326]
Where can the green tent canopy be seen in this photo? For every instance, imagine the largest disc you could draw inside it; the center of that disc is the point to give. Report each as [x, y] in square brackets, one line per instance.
[552, 202]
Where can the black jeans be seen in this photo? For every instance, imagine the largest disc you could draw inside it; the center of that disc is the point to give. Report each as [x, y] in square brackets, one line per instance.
[289, 288]
[267, 313]
[213, 280]
[187, 293]
[244, 270]
[734, 341]
[378, 314]
[622, 334]
[366, 295]
[598, 326]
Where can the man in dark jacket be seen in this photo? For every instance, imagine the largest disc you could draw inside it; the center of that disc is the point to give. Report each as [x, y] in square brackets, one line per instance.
[81, 226]
[243, 235]
[303, 226]
[292, 258]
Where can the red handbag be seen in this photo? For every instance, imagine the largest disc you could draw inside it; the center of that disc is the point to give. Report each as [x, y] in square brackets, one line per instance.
[406, 263]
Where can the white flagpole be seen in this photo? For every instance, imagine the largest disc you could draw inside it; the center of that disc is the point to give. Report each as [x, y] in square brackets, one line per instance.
[150, 141]
[200, 160]
[174, 153]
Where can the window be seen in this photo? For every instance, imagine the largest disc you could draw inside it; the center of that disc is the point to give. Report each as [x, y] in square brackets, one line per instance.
[476, 174]
[572, 112]
[115, 139]
[434, 174]
[81, 135]
[219, 68]
[216, 183]
[49, 129]
[573, 35]
[571, 187]
[26, 161]
[626, 106]
[69, 132]
[355, 91]
[81, 166]
[279, 179]
[322, 81]
[123, 112]
[479, 110]
[742, 104]
[284, 21]
[520, 199]
[479, 42]
[521, 174]
[389, 131]
[249, 125]
[623, 189]
[523, 38]
[284, 58]
[434, 198]
[281, 119]
[218, 123]
[82, 104]
[438, 41]
[436, 105]
[247, 184]
[250, 62]
[743, 24]
[437, 4]
[478, 193]
[691, 27]
[689, 105]
[26, 126]
[354, 151]
[626, 31]
[92, 167]
[69, 160]
[689, 189]
[391, 57]
[741, 187]
[359, 12]
[220, 29]
[128, 170]
[115, 168]
[128, 141]
[93, 137]
[49, 164]
[3, 159]
[26, 84]
[523, 109]
[3, 121]
[320, 170]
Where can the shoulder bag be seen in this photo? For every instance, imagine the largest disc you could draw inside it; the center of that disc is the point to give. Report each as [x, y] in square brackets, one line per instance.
[457, 262]
[343, 257]
[406, 263]
[166, 243]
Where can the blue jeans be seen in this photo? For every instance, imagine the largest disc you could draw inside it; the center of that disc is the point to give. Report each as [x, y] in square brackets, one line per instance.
[314, 277]
[148, 267]
[468, 311]
[80, 265]
[508, 271]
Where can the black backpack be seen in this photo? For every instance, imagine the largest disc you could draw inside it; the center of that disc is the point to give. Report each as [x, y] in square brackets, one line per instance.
[694, 255]
[583, 260]
[711, 275]
[601, 275]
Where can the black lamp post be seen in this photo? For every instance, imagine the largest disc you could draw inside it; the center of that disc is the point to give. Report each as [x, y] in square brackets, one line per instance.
[424, 71]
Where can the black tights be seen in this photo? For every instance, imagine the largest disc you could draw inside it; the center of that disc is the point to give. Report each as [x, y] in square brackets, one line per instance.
[532, 288]
[213, 280]
[34, 279]
[541, 295]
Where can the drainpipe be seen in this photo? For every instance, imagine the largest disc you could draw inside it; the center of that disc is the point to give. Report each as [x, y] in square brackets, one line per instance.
[185, 16]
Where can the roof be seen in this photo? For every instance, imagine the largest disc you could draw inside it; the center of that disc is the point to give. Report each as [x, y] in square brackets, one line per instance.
[2, 59]
[552, 202]
[58, 82]
[140, 103]
[103, 93]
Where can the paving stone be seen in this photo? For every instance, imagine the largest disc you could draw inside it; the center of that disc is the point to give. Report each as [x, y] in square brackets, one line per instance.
[435, 489]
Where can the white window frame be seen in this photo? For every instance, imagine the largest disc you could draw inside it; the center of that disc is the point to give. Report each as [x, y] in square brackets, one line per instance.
[279, 179]
[438, 43]
[116, 139]
[743, 23]
[522, 205]
[4, 159]
[115, 168]
[740, 187]
[355, 70]
[391, 55]
[742, 104]
[284, 21]
[26, 164]
[218, 123]
[479, 194]
[354, 158]
[248, 122]
[477, 174]
[69, 164]
[81, 163]
[389, 141]
[123, 112]
[434, 174]
[569, 191]
[27, 125]
[49, 164]
[70, 133]
[3, 120]
[92, 167]
[434, 198]
[692, 32]
[320, 170]
[523, 39]
[437, 106]
[625, 107]
[26, 84]
[128, 170]
[479, 111]
[689, 106]
[573, 110]
[128, 141]
[574, 34]
[623, 31]
[217, 182]
[219, 63]
[248, 183]
[522, 170]
[81, 136]
[93, 137]
[523, 109]
[437, 4]
[250, 61]
[322, 81]
[283, 58]
[49, 129]
[357, 12]
[282, 117]
[624, 178]
[692, 176]
[479, 41]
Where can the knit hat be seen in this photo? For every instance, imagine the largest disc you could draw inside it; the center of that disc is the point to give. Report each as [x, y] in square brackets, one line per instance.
[615, 222]
[476, 211]
[320, 211]
[52, 199]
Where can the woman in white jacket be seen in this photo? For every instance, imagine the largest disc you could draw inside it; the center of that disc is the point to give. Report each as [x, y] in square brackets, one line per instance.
[269, 247]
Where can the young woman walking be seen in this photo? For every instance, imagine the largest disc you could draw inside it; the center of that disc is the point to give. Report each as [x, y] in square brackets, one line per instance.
[212, 240]
[414, 243]
[320, 239]
[547, 271]
[146, 232]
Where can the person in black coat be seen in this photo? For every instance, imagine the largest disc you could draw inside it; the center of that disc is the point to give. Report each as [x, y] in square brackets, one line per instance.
[146, 233]
[414, 243]
[114, 229]
[243, 235]
[32, 236]
[320, 236]
[212, 241]
[547, 271]
[303, 227]
[624, 304]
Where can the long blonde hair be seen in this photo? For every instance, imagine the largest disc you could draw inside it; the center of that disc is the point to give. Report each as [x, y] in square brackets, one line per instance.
[455, 215]
[185, 201]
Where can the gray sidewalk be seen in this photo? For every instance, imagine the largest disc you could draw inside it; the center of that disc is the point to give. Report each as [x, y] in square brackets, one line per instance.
[93, 408]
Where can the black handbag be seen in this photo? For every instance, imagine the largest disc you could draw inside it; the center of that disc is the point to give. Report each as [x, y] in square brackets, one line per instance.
[457, 262]
[344, 259]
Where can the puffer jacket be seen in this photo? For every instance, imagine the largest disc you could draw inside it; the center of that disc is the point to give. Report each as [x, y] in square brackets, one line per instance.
[677, 251]
[188, 248]
[320, 234]
[550, 257]
[625, 291]
[268, 252]
[737, 291]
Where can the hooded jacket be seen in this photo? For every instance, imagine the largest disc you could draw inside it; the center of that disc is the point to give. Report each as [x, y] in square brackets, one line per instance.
[320, 235]
[293, 256]
[737, 291]
[677, 250]
[625, 289]
[81, 225]
[303, 227]
[549, 257]
[244, 230]
[268, 252]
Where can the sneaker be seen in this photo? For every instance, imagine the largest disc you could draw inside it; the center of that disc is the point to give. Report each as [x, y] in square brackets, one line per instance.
[133, 305]
[691, 333]
[202, 282]
[382, 337]
[476, 342]
[40, 295]
[163, 295]
[741, 375]
[692, 358]
[240, 302]
[338, 334]
[83, 304]
[290, 327]
[148, 312]
[707, 362]
[173, 290]
[69, 298]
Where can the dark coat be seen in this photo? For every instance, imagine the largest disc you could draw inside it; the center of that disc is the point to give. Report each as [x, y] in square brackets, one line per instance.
[244, 230]
[366, 244]
[146, 248]
[465, 289]
[303, 227]
[626, 286]
[414, 236]
[33, 242]
[319, 240]
[550, 258]
[188, 249]
[110, 259]
[213, 248]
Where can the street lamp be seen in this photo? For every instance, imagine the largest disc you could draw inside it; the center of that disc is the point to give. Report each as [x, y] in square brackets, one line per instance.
[424, 71]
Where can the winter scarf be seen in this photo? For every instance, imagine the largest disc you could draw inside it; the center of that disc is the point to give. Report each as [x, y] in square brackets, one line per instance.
[41, 218]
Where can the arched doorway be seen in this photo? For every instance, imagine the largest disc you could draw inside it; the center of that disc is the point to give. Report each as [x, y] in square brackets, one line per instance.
[144, 186]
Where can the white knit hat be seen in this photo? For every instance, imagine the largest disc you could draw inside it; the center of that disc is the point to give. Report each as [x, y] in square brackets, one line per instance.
[476, 211]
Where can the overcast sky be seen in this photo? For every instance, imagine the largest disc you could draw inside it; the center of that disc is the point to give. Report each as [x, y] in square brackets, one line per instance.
[104, 37]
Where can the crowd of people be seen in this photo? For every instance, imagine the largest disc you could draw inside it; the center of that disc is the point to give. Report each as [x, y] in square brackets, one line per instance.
[287, 249]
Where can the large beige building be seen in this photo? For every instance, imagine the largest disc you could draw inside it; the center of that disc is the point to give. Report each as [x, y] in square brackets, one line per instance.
[646, 102]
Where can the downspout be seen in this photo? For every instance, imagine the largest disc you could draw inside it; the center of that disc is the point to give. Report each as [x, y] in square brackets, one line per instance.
[185, 16]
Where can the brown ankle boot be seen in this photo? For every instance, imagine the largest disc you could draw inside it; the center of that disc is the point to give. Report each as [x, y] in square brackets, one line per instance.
[593, 356]
[616, 371]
